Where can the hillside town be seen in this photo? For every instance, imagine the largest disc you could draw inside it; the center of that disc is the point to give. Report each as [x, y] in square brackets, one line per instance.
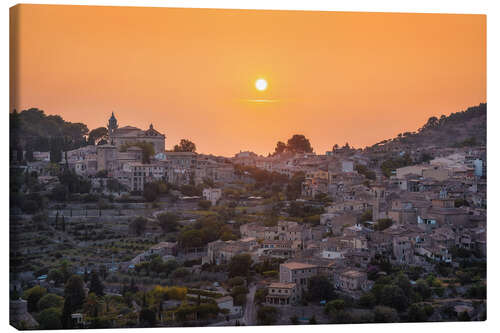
[110, 229]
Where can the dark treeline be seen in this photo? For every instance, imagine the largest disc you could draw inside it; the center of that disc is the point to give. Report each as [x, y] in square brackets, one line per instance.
[32, 130]
[462, 116]
[444, 130]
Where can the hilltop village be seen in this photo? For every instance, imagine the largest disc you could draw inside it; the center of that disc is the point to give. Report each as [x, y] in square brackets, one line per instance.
[108, 229]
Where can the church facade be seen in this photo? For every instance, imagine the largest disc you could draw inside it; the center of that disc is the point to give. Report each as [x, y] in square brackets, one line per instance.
[121, 136]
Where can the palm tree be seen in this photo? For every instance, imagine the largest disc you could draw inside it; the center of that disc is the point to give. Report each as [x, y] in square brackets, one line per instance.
[108, 301]
[92, 305]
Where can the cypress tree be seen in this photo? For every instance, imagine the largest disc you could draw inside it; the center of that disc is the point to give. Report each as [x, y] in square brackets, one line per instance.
[96, 286]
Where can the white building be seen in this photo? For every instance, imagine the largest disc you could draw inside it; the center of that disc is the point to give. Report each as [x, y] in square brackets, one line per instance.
[347, 166]
[226, 302]
[212, 194]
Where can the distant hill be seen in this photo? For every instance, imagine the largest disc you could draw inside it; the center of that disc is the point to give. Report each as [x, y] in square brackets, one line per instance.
[460, 129]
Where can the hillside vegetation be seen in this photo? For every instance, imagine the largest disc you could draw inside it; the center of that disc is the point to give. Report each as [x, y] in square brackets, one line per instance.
[33, 130]
[459, 129]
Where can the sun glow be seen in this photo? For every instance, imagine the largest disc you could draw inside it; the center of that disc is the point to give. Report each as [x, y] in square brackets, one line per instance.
[261, 84]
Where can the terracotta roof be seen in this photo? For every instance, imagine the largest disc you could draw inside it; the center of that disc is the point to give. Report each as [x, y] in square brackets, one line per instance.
[298, 265]
[281, 285]
[127, 128]
[353, 274]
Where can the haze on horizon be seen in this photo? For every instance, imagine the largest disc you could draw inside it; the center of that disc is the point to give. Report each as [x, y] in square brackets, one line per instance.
[334, 77]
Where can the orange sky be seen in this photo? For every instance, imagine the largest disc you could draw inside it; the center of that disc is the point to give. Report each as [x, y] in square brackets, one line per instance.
[334, 77]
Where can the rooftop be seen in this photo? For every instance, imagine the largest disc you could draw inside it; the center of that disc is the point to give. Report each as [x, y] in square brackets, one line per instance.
[297, 265]
[282, 285]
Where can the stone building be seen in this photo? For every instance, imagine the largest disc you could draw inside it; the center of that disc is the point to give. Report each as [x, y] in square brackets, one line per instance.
[120, 136]
[282, 294]
[212, 194]
[298, 273]
[351, 280]
[19, 315]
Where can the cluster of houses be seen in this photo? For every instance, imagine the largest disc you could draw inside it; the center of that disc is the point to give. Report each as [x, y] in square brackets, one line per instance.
[430, 208]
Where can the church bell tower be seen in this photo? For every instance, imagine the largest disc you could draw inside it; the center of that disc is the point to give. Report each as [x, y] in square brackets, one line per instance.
[112, 126]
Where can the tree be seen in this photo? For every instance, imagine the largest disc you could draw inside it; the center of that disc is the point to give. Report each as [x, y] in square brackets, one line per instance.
[367, 300]
[204, 204]
[74, 183]
[96, 286]
[422, 288]
[432, 122]
[147, 317]
[108, 300]
[394, 296]
[151, 191]
[138, 226]
[97, 135]
[32, 296]
[294, 186]
[56, 275]
[320, 289]
[168, 222]
[147, 148]
[260, 295]
[190, 238]
[50, 319]
[280, 148]
[419, 312]
[384, 314]
[382, 224]
[335, 306]
[463, 316]
[179, 273]
[267, 315]
[113, 185]
[33, 130]
[341, 317]
[65, 270]
[299, 144]
[426, 157]
[394, 163]
[185, 146]
[56, 220]
[363, 170]
[366, 216]
[50, 301]
[66, 319]
[74, 293]
[240, 265]
[92, 305]
[59, 193]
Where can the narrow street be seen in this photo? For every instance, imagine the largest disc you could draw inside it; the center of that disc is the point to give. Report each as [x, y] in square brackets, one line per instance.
[249, 317]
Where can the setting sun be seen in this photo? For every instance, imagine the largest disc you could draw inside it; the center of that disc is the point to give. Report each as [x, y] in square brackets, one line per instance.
[261, 84]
